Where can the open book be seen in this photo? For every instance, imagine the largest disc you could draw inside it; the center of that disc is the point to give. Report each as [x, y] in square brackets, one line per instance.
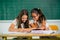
[43, 31]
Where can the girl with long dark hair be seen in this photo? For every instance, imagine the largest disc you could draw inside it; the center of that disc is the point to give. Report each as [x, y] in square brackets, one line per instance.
[39, 20]
[21, 23]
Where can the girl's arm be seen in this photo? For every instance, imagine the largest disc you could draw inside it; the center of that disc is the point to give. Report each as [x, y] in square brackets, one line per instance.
[43, 25]
[34, 25]
[12, 28]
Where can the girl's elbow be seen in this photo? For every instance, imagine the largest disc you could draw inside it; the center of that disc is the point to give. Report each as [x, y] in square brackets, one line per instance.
[10, 30]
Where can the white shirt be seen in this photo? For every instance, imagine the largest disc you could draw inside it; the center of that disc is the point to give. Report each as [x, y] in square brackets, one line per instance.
[16, 24]
[32, 21]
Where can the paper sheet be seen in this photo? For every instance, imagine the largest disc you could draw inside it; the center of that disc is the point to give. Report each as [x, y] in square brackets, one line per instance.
[14, 32]
[43, 31]
[33, 31]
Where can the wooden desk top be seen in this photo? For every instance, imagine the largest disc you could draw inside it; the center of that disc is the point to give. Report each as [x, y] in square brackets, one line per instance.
[29, 34]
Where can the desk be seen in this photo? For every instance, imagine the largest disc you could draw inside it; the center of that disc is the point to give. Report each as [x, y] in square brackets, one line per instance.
[4, 35]
[28, 34]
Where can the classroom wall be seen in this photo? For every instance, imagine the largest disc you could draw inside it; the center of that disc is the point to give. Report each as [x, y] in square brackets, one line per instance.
[9, 9]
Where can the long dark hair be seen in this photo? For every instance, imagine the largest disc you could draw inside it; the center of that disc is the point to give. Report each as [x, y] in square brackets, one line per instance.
[19, 18]
[41, 15]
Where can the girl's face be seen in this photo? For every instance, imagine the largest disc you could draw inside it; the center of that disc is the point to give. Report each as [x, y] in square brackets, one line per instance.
[24, 18]
[35, 16]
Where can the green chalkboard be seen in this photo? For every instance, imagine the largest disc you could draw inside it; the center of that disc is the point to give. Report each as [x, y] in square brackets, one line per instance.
[9, 9]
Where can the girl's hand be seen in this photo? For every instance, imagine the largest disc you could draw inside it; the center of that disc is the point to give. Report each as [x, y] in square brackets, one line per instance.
[20, 30]
[27, 30]
[42, 28]
[24, 30]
